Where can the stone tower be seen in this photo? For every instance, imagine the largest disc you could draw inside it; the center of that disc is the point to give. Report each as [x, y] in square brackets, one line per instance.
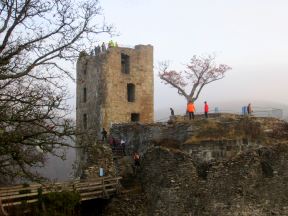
[114, 86]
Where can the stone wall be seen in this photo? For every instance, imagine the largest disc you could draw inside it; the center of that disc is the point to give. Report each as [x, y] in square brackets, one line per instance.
[253, 183]
[217, 138]
[219, 149]
[139, 137]
[90, 76]
[166, 177]
[250, 181]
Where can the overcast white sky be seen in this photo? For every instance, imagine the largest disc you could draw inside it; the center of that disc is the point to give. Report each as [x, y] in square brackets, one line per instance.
[251, 36]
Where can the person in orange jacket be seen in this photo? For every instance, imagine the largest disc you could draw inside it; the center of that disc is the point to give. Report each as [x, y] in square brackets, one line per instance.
[206, 109]
[191, 109]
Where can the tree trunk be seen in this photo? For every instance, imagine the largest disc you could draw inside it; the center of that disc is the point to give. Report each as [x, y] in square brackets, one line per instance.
[190, 99]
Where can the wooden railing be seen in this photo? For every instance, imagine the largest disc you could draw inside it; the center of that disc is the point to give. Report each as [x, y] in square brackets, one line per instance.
[101, 187]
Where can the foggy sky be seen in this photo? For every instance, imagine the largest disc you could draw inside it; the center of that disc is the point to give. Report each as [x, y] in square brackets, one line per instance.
[251, 36]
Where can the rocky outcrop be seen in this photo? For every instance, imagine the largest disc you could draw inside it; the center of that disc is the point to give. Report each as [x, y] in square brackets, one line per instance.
[127, 205]
[99, 155]
[215, 138]
[253, 183]
[248, 178]
[168, 177]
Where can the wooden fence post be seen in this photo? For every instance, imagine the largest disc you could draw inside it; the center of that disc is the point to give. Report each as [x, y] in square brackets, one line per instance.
[2, 210]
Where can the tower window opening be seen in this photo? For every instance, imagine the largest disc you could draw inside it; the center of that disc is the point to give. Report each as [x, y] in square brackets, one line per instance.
[135, 117]
[85, 121]
[84, 95]
[85, 68]
[125, 59]
[130, 92]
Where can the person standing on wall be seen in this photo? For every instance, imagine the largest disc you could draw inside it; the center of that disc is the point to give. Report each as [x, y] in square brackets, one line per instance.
[171, 111]
[103, 47]
[249, 109]
[136, 158]
[104, 134]
[123, 143]
[191, 109]
[206, 109]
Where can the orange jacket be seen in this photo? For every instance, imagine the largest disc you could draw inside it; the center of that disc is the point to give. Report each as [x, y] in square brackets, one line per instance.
[206, 107]
[190, 107]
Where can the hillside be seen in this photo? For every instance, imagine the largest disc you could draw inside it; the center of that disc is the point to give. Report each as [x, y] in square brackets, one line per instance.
[227, 165]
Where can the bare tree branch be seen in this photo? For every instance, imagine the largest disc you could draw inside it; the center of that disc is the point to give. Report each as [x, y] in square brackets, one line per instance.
[38, 37]
[199, 72]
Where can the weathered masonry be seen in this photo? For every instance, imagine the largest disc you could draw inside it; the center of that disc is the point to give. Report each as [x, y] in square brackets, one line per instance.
[114, 86]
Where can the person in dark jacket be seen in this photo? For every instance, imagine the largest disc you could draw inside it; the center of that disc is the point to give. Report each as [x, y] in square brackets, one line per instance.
[103, 47]
[104, 134]
[136, 158]
[249, 109]
[172, 112]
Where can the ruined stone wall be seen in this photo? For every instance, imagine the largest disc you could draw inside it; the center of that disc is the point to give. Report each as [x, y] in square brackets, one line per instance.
[250, 181]
[253, 183]
[204, 139]
[219, 149]
[139, 137]
[167, 176]
[90, 76]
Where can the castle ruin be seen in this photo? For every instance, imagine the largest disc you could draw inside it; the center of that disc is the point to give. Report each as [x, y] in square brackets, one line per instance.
[114, 86]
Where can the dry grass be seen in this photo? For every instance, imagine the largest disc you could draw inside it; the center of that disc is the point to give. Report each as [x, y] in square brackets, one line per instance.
[225, 128]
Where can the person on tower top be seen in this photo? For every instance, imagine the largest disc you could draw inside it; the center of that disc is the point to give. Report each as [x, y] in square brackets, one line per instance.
[103, 47]
[111, 44]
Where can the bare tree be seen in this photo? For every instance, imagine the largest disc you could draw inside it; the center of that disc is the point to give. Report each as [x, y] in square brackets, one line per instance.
[37, 39]
[199, 72]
